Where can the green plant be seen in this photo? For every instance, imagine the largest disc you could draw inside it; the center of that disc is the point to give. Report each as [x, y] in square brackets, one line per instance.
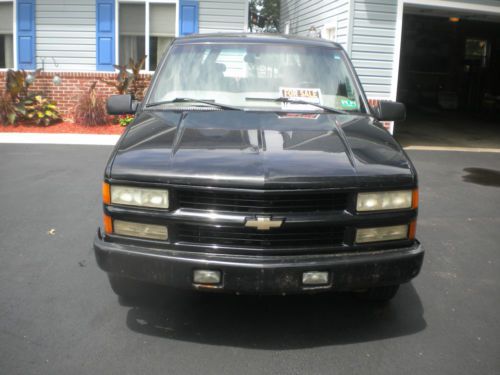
[41, 110]
[17, 84]
[128, 79]
[91, 109]
[124, 120]
[137, 85]
[10, 111]
[18, 104]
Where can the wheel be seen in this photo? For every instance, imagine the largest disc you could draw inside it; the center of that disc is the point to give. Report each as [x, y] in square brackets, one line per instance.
[127, 288]
[380, 293]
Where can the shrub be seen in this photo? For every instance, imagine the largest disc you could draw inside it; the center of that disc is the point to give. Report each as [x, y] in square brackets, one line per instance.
[18, 104]
[128, 79]
[41, 110]
[91, 109]
[8, 113]
[17, 85]
[124, 120]
[9, 110]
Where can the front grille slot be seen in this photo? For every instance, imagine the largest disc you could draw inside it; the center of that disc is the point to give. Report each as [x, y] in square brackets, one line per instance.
[262, 202]
[294, 237]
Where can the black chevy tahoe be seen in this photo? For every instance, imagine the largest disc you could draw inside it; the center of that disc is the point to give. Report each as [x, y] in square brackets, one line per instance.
[255, 165]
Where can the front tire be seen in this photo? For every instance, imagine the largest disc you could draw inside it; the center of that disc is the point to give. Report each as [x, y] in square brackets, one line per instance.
[127, 288]
[380, 293]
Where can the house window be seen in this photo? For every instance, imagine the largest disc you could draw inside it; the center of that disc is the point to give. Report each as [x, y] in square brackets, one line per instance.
[132, 32]
[135, 41]
[6, 35]
[161, 31]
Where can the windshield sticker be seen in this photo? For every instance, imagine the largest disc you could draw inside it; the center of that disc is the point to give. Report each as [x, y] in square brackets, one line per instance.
[348, 104]
[310, 95]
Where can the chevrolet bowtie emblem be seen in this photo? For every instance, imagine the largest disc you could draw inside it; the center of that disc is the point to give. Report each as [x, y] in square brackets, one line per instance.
[263, 223]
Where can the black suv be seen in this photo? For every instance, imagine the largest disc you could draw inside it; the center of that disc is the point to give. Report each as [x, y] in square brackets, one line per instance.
[255, 165]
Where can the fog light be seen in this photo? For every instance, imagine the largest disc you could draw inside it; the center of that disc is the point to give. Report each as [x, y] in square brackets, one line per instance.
[206, 277]
[315, 278]
[396, 232]
[127, 228]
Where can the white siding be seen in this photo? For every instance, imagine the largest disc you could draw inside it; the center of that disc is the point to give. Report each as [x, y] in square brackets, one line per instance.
[66, 31]
[303, 14]
[373, 45]
[222, 16]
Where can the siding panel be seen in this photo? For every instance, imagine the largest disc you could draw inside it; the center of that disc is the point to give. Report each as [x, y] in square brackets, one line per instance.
[375, 40]
[302, 15]
[377, 66]
[373, 43]
[371, 56]
[372, 32]
[222, 16]
[375, 24]
[375, 48]
[66, 31]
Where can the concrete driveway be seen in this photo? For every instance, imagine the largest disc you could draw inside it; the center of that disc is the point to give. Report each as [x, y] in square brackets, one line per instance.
[59, 316]
[427, 127]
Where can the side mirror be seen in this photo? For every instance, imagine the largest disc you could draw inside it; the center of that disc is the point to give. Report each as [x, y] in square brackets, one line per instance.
[391, 111]
[121, 105]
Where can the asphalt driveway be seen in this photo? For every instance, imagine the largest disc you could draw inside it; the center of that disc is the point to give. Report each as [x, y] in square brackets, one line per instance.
[59, 316]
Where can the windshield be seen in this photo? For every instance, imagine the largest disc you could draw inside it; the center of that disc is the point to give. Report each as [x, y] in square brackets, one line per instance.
[258, 76]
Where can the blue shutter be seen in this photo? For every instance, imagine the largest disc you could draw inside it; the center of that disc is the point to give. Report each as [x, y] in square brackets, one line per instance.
[105, 34]
[26, 58]
[188, 17]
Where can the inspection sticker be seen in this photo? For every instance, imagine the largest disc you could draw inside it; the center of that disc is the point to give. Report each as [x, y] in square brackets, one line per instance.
[310, 95]
[348, 104]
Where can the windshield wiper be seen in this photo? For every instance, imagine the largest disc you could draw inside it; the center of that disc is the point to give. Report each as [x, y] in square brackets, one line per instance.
[282, 99]
[187, 100]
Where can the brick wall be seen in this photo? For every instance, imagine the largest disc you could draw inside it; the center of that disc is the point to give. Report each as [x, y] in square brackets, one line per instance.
[72, 86]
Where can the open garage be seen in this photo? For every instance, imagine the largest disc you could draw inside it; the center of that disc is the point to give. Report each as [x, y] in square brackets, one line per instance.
[449, 75]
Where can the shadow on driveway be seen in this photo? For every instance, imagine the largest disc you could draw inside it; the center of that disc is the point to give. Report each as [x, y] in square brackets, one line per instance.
[275, 323]
[482, 176]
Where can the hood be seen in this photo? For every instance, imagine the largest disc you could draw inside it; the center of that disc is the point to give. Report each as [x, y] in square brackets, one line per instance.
[259, 149]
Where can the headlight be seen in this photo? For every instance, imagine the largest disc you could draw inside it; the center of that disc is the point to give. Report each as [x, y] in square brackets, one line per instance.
[388, 200]
[132, 196]
[395, 232]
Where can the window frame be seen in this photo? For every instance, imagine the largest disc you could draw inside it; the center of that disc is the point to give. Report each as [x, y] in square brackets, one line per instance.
[327, 27]
[147, 4]
[14, 34]
[287, 28]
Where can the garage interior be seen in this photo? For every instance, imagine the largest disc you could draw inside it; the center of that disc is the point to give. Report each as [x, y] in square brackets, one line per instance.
[449, 78]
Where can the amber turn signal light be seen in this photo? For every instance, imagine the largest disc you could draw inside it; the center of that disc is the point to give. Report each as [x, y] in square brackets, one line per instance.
[108, 224]
[414, 199]
[106, 195]
[412, 230]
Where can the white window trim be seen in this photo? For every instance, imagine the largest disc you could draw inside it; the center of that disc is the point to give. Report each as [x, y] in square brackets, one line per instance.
[14, 34]
[245, 23]
[146, 25]
[334, 24]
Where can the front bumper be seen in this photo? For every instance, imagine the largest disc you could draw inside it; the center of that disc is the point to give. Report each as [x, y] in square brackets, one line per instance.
[260, 274]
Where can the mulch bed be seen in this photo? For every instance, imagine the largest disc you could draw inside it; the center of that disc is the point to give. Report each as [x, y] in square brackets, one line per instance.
[63, 127]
